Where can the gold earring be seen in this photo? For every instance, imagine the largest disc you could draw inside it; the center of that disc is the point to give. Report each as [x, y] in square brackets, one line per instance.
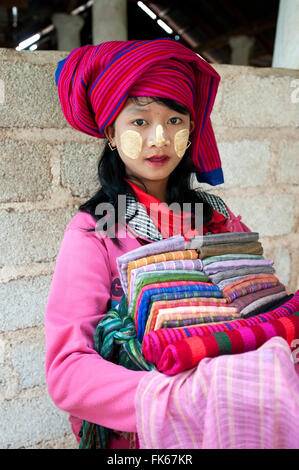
[188, 145]
[110, 146]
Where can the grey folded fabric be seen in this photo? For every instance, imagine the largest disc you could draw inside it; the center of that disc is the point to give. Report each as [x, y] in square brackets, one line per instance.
[226, 237]
[216, 278]
[270, 307]
[262, 301]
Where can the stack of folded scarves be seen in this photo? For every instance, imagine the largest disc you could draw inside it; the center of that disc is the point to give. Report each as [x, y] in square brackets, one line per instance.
[181, 295]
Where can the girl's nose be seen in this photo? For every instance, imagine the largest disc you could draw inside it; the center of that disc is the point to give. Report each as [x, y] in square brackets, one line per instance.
[159, 139]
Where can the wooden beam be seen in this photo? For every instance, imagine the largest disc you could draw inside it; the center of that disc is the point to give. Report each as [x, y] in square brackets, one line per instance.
[9, 44]
[251, 29]
[14, 3]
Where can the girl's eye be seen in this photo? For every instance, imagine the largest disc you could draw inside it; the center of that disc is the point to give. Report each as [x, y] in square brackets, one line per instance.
[139, 122]
[178, 120]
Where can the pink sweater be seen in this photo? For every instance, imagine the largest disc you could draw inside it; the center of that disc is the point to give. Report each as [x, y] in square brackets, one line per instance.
[84, 282]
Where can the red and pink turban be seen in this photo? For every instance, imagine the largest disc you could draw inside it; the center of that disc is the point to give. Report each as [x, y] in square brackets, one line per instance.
[94, 83]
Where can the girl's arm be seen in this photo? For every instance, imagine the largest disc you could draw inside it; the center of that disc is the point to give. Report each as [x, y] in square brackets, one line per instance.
[79, 381]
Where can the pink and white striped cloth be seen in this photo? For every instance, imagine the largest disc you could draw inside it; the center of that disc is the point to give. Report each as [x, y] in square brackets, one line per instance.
[239, 401]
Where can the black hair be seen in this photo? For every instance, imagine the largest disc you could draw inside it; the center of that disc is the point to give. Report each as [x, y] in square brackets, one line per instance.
[112, 171]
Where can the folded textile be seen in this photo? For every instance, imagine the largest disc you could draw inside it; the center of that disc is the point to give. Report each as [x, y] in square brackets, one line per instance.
[227, 284]
[158, 277]
[178, 313]
[114, 340]
[241, 401]
[176, 265]
[185, 302]
[241, 302]
[246, 288]
[232, 280]
[167, 256]
[175, 243]
[225, 237]
[232, 256]
[210, 295]
[269, 307]
[143, 307]
[249, 284]
[213, 318]
[230, 273]
[216, 267]
[164, 276]
[254, 248]
[188, 353]
[254, 277]
[263, 301]
[139, 310]
[155, 342]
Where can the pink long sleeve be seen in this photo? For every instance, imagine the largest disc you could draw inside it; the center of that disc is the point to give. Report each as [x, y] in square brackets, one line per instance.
[79, 381]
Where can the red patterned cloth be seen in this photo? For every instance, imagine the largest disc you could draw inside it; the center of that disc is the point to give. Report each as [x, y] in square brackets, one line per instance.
[155, 343]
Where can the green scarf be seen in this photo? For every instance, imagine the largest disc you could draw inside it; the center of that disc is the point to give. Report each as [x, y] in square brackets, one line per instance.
[115, 340]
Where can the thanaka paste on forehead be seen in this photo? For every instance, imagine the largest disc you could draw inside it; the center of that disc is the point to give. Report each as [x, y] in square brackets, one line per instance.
[131, 144]
[180, 142]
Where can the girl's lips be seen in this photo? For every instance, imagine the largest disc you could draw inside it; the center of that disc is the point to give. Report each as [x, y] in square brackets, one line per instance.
[158, 160]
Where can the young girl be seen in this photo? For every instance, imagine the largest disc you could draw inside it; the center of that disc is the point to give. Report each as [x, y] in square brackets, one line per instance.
[152, 101]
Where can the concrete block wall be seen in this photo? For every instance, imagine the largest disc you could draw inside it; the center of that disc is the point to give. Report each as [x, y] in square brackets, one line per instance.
[48, 169]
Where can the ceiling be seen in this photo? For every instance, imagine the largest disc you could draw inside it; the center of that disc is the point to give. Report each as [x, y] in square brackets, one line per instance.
[205, 26]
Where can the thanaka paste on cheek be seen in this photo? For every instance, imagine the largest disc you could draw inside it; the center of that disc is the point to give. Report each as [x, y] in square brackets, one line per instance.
[181, 142]
[131, 144]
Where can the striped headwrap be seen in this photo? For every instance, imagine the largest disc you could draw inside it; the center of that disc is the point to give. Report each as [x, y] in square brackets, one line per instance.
[94, 82]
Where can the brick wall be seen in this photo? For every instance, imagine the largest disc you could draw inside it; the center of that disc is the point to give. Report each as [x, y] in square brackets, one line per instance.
[48, 169]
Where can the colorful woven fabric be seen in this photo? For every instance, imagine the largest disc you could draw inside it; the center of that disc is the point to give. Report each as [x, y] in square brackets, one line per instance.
[94, 83]
[155, 342]
[254, 248]
[231, 281]
[139, 309]
[186, 354]
[157, 258]
[187, 302]
[181, 287]
[178, 313]
[212, 318]
[237, 401]
[244, 287]
[176, 265]
[191, 294]
[114, 340]
[176, 243]
[241, 302]
[249, 279]
[165, 276]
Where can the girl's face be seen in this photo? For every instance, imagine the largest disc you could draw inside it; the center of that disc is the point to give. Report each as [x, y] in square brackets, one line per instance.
[151, 129]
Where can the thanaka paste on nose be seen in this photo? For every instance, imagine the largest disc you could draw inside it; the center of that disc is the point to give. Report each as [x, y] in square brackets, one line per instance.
[131, 144]
[181, 142]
